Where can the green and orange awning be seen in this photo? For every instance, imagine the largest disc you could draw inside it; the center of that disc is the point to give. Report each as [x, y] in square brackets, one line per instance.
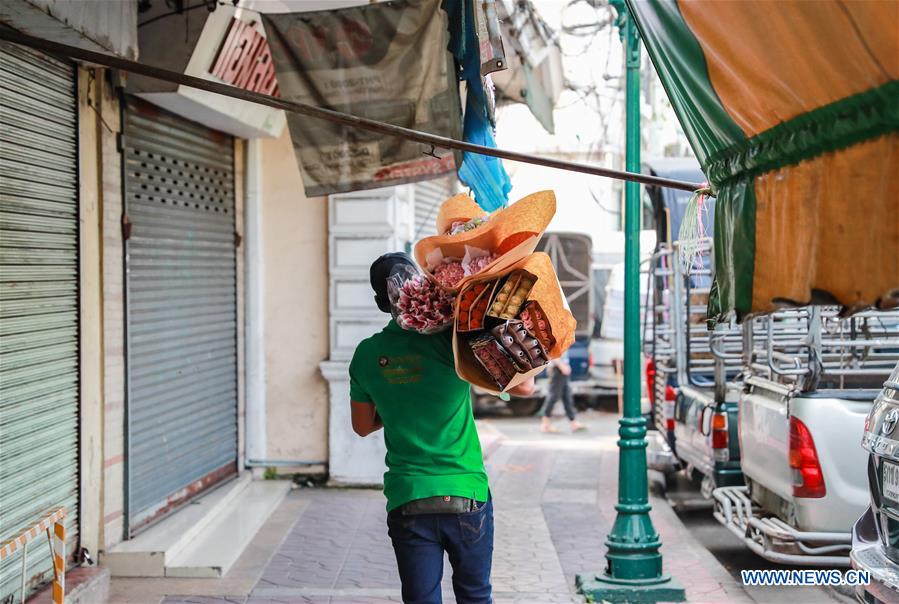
[792, 109]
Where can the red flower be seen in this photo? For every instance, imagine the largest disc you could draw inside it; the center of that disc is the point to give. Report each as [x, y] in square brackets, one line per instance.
[423, 306]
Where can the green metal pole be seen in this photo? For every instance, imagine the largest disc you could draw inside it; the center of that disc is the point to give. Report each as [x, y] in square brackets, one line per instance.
[634, 570]
[633, 543]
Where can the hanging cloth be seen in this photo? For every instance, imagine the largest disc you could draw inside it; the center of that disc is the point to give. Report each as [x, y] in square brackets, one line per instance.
[486, 176]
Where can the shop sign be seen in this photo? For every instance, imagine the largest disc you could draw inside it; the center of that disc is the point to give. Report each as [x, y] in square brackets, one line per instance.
[245, 60]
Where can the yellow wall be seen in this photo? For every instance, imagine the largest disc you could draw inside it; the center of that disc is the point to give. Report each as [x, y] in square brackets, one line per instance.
[295, 250]
[90, 331]
[104, 502]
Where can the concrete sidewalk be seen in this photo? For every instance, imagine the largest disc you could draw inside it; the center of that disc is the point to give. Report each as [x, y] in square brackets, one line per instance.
[554, 497]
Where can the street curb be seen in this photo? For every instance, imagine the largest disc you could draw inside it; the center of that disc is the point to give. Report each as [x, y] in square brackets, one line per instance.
[84, 585]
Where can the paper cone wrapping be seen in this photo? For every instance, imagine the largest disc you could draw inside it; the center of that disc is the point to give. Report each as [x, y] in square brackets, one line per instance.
[458, 208]
[512, 232]
[547, 292]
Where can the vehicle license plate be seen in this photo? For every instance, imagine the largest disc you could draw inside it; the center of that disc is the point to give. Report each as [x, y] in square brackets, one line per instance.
[891, 481]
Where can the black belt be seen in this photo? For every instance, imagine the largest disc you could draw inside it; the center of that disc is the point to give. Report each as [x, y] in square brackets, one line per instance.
[441, 505]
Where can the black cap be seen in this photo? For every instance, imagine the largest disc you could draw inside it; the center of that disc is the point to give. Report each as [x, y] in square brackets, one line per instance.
[381, 270]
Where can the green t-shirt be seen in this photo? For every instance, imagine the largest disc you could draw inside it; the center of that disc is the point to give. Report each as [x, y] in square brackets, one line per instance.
[432, 443]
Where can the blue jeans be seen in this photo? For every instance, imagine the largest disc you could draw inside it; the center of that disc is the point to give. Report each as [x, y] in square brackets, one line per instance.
[419, 542]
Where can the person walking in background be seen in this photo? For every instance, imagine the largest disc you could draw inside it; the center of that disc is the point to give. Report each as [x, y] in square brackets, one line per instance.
[559, 388]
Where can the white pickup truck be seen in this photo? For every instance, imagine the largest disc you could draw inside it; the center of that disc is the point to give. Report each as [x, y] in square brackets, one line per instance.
[810, 379]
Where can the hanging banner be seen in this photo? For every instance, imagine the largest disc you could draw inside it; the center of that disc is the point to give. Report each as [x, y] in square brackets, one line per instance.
[490, 40]
[802, 154]
[387, 62]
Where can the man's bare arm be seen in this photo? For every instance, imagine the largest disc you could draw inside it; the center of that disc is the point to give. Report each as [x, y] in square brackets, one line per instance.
[365, 418]
[525, 388]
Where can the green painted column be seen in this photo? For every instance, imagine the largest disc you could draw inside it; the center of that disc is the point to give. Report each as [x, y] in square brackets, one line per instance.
[634, 570]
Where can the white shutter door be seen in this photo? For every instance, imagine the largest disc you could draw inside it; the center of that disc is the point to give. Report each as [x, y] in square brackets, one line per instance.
[38, 305]
[181, 310]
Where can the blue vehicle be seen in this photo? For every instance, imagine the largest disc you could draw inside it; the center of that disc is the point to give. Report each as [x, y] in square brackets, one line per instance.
[580, 359]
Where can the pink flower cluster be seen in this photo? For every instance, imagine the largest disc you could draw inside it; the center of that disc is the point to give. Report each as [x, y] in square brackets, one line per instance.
[478, 264]
[448, 274]
[423, 306]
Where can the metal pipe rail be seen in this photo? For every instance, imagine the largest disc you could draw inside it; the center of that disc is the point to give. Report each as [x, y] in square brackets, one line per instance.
[885, 371]
[329, 115]
[775, 540]
[769, 384]
[721, 354]
[695, 355]
[798, 343]
[774, 355]
[860, 343]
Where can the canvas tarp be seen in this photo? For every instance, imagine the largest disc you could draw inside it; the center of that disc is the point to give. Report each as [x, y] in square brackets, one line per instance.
[388, 62]
[793, 111]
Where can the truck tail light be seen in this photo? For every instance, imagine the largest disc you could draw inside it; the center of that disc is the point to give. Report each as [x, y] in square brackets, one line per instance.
[651, 380]
[720, 450]
[670, 398]
[808, 479]
[590, 359]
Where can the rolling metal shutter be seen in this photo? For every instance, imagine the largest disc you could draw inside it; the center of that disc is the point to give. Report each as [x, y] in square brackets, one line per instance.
[38, 305]
[181, 310]
[429, 194]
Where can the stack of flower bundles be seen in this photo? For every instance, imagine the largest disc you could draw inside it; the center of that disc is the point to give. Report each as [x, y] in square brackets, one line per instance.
[510, 317]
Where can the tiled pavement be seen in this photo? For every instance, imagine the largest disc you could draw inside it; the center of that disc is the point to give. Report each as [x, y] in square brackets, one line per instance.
[554, 503]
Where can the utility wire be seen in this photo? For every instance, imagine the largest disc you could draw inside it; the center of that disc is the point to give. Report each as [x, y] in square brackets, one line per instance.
[210, 6]
[329, 115]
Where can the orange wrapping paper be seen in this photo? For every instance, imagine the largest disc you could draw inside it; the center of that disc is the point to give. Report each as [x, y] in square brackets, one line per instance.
[547, 292]
[512, 232]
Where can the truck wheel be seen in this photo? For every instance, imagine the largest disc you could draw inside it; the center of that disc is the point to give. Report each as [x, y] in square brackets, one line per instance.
[523, 407]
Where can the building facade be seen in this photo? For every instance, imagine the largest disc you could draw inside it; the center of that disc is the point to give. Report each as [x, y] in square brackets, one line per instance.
[52, 188]
[175, 314]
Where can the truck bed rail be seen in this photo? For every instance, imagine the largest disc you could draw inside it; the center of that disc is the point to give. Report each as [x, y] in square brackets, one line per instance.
[806, 348]
[772, 538]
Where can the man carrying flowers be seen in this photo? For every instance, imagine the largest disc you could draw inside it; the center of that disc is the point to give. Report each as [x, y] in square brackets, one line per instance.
[436, 487]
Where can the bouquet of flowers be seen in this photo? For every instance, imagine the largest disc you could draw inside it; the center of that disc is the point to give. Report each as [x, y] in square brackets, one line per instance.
[482, 275]
[471, 242]
[510, 323]
[417, 303]
[450, 271]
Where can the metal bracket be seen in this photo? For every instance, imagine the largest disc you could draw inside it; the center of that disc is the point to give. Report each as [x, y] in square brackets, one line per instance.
[126, 226]
[238, 239]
